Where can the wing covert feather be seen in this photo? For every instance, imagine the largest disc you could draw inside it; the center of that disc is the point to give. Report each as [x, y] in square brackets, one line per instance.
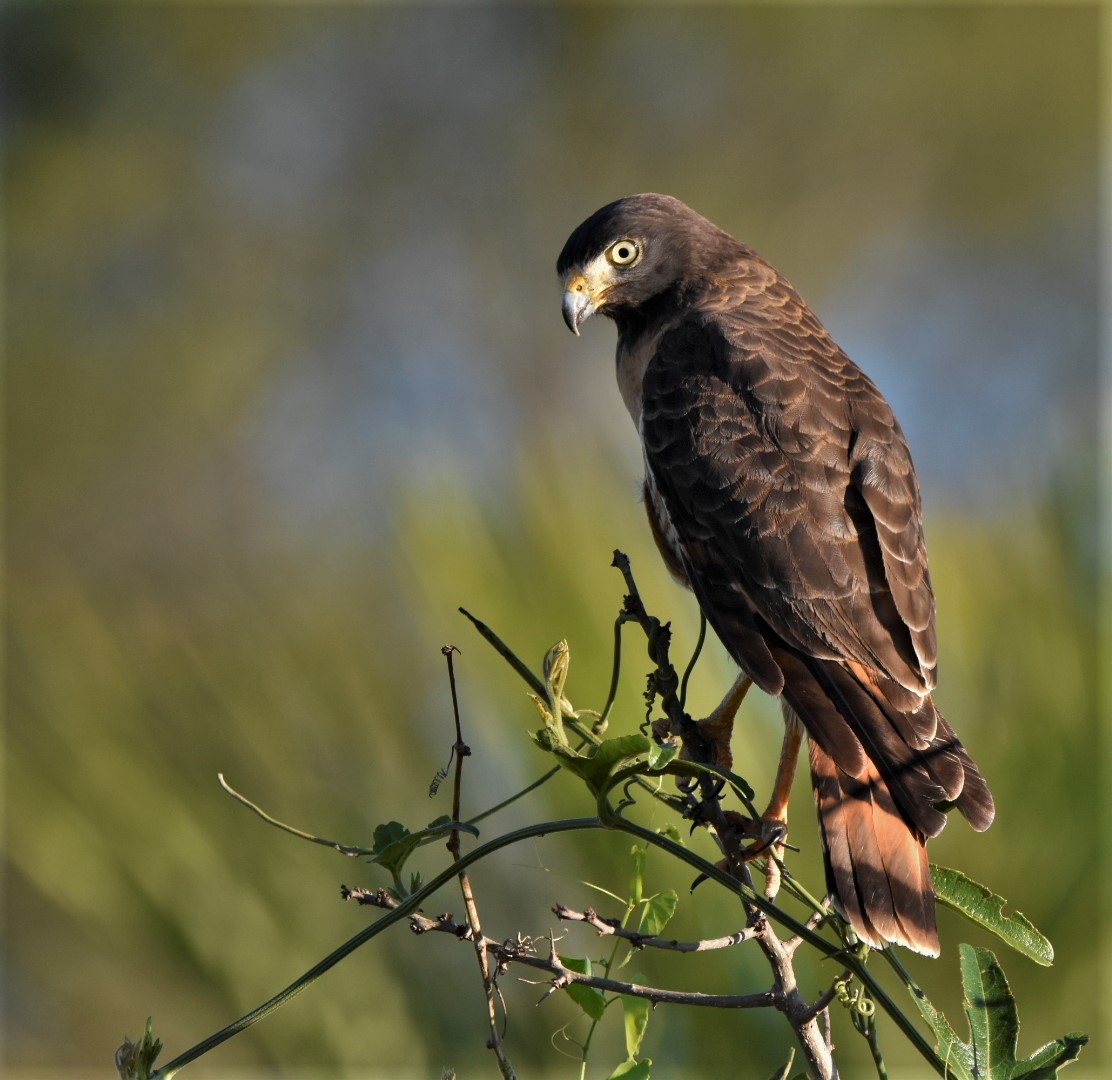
[788, 477]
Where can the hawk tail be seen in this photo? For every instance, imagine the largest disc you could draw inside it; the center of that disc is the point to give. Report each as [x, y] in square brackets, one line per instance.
[883, 778]
[876, 866]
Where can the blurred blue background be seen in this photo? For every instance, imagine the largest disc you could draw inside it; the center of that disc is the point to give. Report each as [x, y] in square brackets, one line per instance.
[287, 383]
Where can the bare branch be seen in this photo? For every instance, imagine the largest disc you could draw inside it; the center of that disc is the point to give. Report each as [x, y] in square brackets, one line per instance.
[613, 927]
[462, 750]
[521, 950]
[664, 684]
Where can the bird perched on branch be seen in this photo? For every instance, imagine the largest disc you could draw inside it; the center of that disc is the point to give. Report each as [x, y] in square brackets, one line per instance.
[780, 489]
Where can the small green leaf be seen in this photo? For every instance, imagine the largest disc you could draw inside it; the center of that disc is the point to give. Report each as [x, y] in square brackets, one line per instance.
[632, 1070]
[661, 754]
[636, 1012]
[609, 755]
[658, 912]
[1044, 1063]
[982, 906]
[394, 843]
[134, 1059]
[388, 833]
[587, 998]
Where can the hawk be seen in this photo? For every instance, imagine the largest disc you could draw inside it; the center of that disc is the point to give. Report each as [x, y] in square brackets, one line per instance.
[780, 489]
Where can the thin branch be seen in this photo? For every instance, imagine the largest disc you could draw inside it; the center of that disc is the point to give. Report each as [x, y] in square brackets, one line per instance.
[462, 750]
[344, 849]
[664, 684]
[612, 927]
[522, 951]
[813, 923]
[411, 903]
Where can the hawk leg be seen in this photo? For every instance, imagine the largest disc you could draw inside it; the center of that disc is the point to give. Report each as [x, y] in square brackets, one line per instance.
[772, 829]
[717, 728]
[785, 772]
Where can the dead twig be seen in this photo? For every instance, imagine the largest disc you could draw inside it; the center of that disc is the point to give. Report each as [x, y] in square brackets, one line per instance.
[521, 950]
[613, 927]
[460, 751]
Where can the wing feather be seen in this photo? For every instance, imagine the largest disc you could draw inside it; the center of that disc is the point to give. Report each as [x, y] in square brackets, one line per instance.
[764, 455]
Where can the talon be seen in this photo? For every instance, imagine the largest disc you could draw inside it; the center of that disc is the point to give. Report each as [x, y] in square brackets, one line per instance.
[722, 864]
[772, 833]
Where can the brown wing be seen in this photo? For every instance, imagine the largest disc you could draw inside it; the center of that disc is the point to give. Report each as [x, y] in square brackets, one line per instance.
[790, 487]
[786, 467]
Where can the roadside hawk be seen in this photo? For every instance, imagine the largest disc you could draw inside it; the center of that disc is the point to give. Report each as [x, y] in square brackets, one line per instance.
[780, 489]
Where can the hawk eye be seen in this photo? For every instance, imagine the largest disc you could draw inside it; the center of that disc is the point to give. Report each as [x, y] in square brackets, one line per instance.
[624, 252]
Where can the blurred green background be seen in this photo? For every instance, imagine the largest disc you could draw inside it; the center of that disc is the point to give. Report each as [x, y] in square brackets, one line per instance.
[287, 383]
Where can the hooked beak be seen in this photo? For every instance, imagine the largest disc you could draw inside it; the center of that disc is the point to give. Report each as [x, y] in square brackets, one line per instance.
[579, 302]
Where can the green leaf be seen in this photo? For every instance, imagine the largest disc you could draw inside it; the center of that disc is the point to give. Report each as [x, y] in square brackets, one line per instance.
[394, 843]
[991, 1011]
[985, 908]
[658, 912]
[660, 755]
[609, 756]
[957, 1056]
[134, 1060]
[632, 1070]
[1045, 1063]
[636, 1012]
[993, 1019]
[587, 998]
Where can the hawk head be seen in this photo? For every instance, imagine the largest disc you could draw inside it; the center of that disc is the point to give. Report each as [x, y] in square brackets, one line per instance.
[634, 250]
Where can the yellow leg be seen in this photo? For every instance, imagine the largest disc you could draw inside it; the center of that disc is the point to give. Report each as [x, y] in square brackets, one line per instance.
[772, 829]
[719, 725]
[785, 772]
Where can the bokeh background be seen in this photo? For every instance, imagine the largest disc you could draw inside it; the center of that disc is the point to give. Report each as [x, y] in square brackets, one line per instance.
[288, 383]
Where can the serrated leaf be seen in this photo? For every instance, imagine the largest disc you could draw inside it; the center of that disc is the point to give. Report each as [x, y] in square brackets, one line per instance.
[632, 1070]
[993, 1019]
[636, 1012]
[658, 912]
[587, 998]
[991, 1011]
[951, 1049]
[982, 906]
[1045, 1062]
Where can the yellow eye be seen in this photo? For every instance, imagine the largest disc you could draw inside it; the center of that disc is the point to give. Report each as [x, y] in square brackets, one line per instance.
[624, 252]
